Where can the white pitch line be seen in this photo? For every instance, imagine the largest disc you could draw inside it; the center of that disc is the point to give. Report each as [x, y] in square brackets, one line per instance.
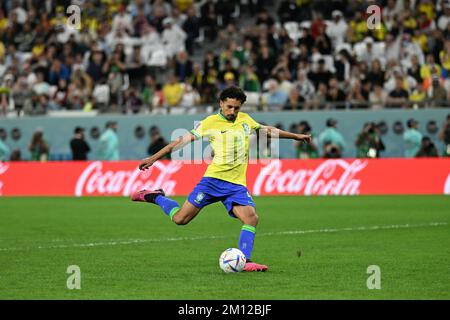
[279, 233]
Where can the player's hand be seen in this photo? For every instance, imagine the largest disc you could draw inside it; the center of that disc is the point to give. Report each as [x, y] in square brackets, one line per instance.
[146, 163]
[304, 138]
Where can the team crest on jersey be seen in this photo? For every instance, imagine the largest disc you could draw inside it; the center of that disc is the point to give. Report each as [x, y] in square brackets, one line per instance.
[199, 197]
[246, 128]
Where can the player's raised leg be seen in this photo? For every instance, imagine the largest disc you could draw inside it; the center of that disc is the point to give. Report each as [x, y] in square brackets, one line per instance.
[171, 208]
[249, 218]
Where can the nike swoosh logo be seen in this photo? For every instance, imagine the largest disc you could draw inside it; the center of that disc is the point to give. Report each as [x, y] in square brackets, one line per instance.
[223, 131]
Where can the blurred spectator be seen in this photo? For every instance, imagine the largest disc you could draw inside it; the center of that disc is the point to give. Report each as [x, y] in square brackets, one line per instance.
[249, 81]
[399, 96]
[274, 98]
[342, 64]
[409, 49]
[358, 29]
[95, 67]
[209, 19]
[337, 28]
[321, 75]
[335, 96]
[289, 10]
[158, 101]
[264, 63]
[58, 71]
[412, 138]
[368, 51]
[190, 98]
[173, 92]
[319, 100]
[101, 95]
[38, 147]
[173, 37]
[444, 136]
[376, 74]
[78, 145]
[60, 96]
[437, 93]
[226, 70]
[430, 69]
[284, 79]
[157, 142]
[6, 101]
[22, 95]
[16, 155]
[415, 69]
[444, 19]
[358, 96]
[122, 20]
[183, 66]
[427, 148]
[211, 61]
[4, 149]
[444, 56]
[377, 97]
[191, 27]
[148, 92]
[331, 151]
[322, 42]
[306, 150]
[304, 85]
[368, 143]
[108, 148]
[78, 90]
[264, 18]
[41, 86]
[295, 101]
[331, 139]
[132, 102]
[135, 66]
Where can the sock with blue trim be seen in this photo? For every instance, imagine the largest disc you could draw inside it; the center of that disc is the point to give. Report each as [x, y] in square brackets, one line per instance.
[246, 240]
[169, 206]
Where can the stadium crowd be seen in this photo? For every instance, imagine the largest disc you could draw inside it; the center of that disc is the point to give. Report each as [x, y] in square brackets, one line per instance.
[135, 56]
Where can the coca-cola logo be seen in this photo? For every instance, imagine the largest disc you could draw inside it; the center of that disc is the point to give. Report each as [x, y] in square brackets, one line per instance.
[332, 177]
[447, 185]
[95, 180]
[3, 168]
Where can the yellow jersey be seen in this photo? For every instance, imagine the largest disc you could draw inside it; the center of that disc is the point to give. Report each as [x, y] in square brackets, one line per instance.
[229, 141]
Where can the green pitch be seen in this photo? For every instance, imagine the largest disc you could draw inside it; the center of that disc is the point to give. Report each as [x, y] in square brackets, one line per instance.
[316, 248]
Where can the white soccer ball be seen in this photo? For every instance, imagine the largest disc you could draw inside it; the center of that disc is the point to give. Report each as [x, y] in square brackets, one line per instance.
[232, 260]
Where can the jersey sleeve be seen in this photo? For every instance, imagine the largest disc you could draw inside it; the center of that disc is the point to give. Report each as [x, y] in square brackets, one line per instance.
[253, 124]
[200, 129]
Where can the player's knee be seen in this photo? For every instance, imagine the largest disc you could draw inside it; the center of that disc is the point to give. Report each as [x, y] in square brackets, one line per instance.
[252, 219]
[180, 220]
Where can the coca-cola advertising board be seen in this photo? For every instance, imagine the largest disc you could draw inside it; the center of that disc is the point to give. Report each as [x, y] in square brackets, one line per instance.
[274, 177]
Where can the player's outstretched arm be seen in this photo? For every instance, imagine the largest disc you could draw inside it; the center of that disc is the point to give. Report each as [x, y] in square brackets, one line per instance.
[172, 146]
[281, 134]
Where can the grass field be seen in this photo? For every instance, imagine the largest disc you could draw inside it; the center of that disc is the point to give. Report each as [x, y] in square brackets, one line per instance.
[316, 248]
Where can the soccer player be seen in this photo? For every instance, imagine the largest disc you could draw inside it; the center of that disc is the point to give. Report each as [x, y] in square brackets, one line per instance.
[225, 178]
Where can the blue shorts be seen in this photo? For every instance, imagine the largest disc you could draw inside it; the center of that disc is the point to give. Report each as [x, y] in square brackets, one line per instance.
[210, 190]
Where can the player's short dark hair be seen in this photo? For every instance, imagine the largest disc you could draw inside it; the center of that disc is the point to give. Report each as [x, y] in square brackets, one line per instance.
[233, 92]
